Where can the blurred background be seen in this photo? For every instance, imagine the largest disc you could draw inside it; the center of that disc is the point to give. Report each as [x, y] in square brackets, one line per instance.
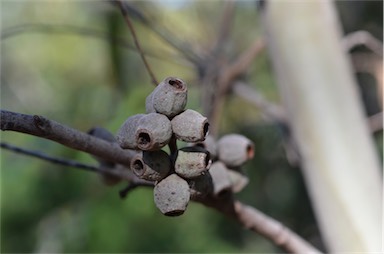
[75, 62]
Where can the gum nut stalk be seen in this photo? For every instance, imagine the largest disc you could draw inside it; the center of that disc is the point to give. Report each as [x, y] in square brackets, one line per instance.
[234, 150]
[149, 104]
[170, 97]
[151, 165]
[200, 186]
[126, 135]
[220, 178]
[171, 195]
[238, 180]
[192, 162]
[190, 126]
[153, 132]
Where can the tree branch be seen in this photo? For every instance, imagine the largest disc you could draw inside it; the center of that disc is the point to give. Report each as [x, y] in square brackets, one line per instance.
[42, 127]
[269, 110]
[363, 38]
[260, 223]
[245, 215]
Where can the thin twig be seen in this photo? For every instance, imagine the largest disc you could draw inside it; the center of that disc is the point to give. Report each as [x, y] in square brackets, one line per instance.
[54, 160]
[182, 47]
[116, 171]
[136, 41]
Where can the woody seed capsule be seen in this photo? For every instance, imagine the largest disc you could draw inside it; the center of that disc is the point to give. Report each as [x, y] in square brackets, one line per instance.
[171, 195]
[192, 162]
[220, 178]
[190, 126]
[151, 165]
[238, 180]
[234, 150]
[153, 132]
[126, 135]
[168, 98]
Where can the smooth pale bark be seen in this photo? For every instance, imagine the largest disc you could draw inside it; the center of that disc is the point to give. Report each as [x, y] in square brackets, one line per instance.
[340, 164]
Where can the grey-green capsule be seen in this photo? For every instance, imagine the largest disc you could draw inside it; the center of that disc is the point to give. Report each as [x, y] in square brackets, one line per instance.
[149, 104]
[190, 126]
[238, 180]
[153, 132]
[171, 195]
[192, 162]
[126, 135]
[169, 97]
[220, 178]
[151, 165]
[234, 150]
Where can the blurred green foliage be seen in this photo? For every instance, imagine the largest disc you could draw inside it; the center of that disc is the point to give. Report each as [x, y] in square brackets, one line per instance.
[84, 81]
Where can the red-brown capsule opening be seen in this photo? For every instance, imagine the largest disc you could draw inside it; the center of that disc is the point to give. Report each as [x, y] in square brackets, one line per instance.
[250, 151]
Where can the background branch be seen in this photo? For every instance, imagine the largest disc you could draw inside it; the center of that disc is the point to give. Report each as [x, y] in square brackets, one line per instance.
[363, 38]
[136, 41]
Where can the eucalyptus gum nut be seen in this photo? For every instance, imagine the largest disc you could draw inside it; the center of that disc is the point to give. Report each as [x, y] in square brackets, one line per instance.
[126, 135]
[200, 186]
[153, 132]
[169, 97]
[102, 133]
[238, 180]
[171, 195]
[220, 178]
[190, 126]
[192, 162]
[149, 104]
[208, 144]
[234, 150]
[151, 165]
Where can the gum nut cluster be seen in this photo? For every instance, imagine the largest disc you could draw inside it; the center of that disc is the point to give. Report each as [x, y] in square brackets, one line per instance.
[228, 154]
[179, 179]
